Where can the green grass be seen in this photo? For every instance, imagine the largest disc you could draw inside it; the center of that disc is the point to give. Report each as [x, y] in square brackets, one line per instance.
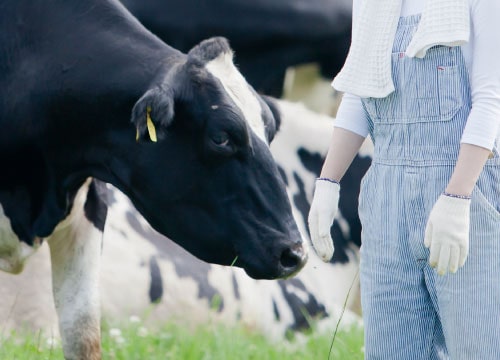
[132, 341]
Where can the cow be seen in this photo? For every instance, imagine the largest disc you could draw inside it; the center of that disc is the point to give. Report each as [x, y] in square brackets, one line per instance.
[267, 36]
[145, 274]
[89, 96]
[184, 289]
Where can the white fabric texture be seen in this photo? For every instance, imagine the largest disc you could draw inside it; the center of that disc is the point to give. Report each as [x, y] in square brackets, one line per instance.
[411, 7]
[367, 70]
[481, 56]
[324, 207]
[444, 22]
[447, 234]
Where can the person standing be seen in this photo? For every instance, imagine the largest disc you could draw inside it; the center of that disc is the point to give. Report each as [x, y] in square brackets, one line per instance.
[422, 78]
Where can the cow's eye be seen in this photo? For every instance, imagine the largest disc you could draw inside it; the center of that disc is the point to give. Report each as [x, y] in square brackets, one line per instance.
[221, 139]
[222, 144]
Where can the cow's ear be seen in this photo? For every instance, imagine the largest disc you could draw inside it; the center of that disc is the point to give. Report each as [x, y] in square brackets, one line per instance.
[273, 106]
[208, 50]
[153, 113]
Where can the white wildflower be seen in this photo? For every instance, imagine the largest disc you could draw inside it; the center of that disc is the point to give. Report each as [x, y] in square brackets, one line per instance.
[134, 319]
[114, 332]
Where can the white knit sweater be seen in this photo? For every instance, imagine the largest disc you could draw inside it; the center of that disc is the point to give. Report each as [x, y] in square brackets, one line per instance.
[367, 70]
[482, 57]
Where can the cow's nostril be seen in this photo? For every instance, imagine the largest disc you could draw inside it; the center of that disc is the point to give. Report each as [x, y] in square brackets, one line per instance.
[291, 259]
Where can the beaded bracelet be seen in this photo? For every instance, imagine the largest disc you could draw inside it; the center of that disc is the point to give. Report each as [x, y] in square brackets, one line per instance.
[464, 197]
[329, 180]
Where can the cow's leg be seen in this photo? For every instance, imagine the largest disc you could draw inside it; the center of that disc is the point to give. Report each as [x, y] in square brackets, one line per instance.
[75, 250]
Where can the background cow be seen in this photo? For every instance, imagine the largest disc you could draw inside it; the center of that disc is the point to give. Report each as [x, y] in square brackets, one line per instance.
[197, 148]
[144, 273]
[267, 36]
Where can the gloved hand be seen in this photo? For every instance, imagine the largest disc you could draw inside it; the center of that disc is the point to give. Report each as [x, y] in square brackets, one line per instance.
[447, 233]
[324, 207]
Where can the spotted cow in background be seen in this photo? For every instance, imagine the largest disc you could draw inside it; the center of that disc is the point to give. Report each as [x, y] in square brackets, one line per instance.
[144, 273]
[267, 36]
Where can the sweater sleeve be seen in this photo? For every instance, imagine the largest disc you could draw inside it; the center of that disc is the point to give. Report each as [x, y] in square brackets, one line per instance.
[351, 115]
[483, 123]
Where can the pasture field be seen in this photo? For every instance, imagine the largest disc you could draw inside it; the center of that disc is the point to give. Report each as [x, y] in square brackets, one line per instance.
[133, 341]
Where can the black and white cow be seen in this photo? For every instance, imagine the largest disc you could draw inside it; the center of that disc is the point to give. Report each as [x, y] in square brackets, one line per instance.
[267, 36]
[144, 273]
[194, 160]
[185, 289]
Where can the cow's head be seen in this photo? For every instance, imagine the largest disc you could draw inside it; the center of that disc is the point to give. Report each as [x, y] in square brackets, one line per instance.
[204, 175]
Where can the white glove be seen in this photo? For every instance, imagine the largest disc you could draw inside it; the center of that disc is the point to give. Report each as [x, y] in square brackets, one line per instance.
[324, 207]
[447, 233]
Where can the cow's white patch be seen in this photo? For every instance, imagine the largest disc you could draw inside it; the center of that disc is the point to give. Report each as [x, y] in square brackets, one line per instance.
[234, 83]
[13, 252]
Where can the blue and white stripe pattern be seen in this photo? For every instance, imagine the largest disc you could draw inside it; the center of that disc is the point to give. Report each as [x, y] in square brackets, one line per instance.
[409, 311]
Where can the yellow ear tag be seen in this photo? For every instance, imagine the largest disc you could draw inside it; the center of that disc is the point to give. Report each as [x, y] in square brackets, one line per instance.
[150, 125]
[137, 134]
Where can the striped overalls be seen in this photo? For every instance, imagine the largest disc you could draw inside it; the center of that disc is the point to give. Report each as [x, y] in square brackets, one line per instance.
[409, 311]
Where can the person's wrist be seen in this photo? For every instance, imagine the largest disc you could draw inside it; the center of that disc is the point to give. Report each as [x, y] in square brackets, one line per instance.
[459, 190]
[457, 196]
[327, 179]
